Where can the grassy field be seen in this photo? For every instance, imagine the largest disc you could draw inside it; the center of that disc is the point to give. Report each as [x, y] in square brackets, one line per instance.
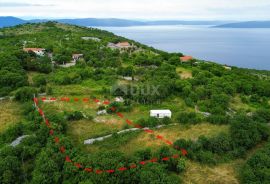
[184, 73]
[236, 104]
[30, 76]
[220, 174]
[10, 114]
[203, 174]
[131, 142]
[85, 129]
[172, 133]
[107, 124]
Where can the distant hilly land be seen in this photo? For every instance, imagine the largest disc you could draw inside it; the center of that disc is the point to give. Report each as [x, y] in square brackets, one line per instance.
[250, 24]
[10, 21]
[110, 22]
[114, 22]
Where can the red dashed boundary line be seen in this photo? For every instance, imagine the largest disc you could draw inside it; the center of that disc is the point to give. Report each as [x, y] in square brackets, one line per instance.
[62, 149]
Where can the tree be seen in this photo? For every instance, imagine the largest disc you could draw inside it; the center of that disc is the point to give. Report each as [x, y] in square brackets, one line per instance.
[25, 93]
[39, 80]
[188, 117]
[247, 133]
[47, 169]
[257, 167]
[9, 170]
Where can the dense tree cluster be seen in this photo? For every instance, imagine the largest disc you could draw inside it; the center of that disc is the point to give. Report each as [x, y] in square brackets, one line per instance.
[244, 134]
[257, 168]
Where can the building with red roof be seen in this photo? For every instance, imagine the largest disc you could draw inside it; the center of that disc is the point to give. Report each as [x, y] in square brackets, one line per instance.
[186, 58]
[37, 51]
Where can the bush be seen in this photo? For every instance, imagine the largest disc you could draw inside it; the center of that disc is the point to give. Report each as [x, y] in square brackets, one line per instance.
[25, 93]
[149, 122]
[49, 90]
[113, 107]
[206, 157]
[262, 115]
[166, 121]
[39, 80]
[11, 133]
[181, 165]
[256, 169]
[76, 115]
[218, 119]
[219, 144]
[188, 117]
[102, 107]
[247, 133]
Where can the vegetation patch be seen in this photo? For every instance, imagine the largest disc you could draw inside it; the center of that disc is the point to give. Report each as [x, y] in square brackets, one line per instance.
[11, 113]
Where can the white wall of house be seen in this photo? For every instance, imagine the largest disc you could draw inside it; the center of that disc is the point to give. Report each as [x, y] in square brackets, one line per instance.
[39, 53]
[160, 113]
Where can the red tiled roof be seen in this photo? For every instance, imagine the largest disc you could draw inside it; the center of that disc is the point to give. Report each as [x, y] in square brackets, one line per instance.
[123, 44]
[33, 49]
[186, 58]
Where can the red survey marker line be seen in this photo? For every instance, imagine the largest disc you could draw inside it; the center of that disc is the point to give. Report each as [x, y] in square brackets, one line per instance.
[62, 149]
[129, 122]
[120, 115]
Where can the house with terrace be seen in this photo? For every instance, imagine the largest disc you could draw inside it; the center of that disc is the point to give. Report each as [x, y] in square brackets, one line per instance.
[120, 45]
[186, 59]
[37, 51]
[76, 57]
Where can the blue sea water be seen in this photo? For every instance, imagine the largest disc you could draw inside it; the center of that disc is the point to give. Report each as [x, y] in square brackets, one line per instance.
[247, 48]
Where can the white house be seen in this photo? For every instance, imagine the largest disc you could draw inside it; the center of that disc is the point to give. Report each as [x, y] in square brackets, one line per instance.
[76, 57]
[227, 67]
[161, 113]
[91, 38]
[37, 51]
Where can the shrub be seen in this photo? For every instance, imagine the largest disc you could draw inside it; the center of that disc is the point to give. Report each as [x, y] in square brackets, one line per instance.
[149, 122]
[181, 165]
[49, 90]
[262, 115]
[76, 115]
[102, 107]
[25, 93]
[39, 80]
[11, 133]
[206, 157]
[166, 121]
[218, 119]
[256, 169]
[188, 117]
[247, 133]
[219, 144]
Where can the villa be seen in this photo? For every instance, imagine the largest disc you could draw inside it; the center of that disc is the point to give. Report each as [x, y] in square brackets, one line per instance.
[76, 57]
[119, 45]
[123, 45]
[186, 58]
[37, 51]
[91, 38]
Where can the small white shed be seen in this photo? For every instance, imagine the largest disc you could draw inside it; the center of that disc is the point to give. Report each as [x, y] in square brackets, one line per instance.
[161, 113]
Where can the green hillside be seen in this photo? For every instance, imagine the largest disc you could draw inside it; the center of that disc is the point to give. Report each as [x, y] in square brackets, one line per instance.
[91, 83]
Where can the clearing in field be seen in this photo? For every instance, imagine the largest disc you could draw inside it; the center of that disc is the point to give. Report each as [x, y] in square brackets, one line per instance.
[184, 73]
[10, 114]
[203, 174]
[131, 142]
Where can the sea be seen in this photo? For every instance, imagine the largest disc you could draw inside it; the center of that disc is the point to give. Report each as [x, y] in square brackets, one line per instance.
[246, 48]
